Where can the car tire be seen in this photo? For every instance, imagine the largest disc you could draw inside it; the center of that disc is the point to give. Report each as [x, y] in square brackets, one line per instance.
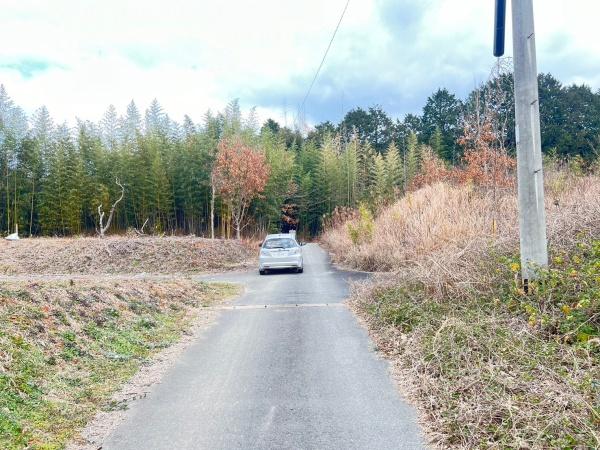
[262, 272]
[300, 270]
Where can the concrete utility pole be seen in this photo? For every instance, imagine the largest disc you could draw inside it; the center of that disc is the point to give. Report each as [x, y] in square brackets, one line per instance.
[532, 216]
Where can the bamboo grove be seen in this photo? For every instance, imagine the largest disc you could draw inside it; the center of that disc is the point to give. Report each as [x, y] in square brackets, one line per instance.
[54, 177]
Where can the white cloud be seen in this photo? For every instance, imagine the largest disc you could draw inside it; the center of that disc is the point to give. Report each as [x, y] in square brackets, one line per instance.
[197, 55]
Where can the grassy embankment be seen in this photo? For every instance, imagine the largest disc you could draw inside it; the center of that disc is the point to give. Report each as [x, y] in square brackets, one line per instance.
[487, 365]
[65, 348]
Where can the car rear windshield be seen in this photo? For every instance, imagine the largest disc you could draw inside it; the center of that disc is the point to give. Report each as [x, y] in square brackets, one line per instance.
[280, 243]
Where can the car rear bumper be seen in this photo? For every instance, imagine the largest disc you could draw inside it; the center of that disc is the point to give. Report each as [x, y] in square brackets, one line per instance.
[267, 262]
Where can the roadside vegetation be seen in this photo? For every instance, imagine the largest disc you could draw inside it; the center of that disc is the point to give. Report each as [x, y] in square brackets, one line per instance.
[67, 347]
[178, 178]
[486, 364]
[428, 199]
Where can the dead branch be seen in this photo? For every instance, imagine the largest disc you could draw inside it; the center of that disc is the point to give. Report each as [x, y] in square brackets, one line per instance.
[102, 229]
[140, 232]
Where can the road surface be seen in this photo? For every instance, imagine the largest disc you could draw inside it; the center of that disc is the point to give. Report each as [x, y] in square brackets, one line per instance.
[276, 377]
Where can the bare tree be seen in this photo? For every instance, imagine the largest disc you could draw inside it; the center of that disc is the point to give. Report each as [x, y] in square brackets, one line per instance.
[102, 229]
[485, 130]
[212, 206]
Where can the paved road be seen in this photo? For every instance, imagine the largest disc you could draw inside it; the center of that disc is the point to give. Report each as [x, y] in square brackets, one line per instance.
[281, 377]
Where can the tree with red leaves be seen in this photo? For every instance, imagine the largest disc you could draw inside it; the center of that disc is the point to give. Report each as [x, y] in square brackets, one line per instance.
[433, 170]
[240, 175]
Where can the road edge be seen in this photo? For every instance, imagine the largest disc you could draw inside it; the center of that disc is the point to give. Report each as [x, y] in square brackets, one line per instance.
[100, 427]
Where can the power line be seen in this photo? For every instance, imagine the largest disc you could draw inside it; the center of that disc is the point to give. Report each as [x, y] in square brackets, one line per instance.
[323, 60]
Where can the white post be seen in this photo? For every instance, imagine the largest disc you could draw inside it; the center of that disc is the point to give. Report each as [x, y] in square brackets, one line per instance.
[532, 217]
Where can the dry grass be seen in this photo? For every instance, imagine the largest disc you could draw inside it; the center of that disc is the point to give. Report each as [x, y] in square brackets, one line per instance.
[486, 366]
[441, 234]
[166, 255]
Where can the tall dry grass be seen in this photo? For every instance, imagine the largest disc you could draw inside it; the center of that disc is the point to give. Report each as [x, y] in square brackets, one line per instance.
[441, 234]
[481, 370]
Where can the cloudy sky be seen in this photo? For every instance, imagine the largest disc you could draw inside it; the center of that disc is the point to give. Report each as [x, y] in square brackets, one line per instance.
[78, 56]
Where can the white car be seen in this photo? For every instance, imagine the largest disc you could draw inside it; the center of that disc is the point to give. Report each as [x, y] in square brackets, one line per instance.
[280, 251]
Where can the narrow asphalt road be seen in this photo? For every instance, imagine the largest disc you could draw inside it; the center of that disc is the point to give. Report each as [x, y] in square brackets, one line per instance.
[280, 377]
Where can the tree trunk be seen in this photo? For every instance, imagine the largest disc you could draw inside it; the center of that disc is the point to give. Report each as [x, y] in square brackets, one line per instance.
[404, 170]
[31, 213]
[15, 204]
[212, 209]
[7, 197]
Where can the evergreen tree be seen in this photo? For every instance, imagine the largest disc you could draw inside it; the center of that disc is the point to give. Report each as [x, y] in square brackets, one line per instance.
[443, 110]
[109, 126]
[55, 199]
[351, 164]
[437, 144]
[379, 180]
[43, 132]
[330, 176]
[189, 129]
[372, 126]
[412, 159]
[366, 157]
[31, 175]
[130, 125]
[13, 130]
[75, 183]
[52, 181]
[156, 120]
[232, 119]
[277, 189]
[393, 168]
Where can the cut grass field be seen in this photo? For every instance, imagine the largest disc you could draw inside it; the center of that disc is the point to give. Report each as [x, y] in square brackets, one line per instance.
[67, 347]
[487, 365]
[121, 254]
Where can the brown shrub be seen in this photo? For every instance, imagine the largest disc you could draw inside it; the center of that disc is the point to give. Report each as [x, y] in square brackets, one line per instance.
[441, 233]
[469, 349]
[433, 170]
